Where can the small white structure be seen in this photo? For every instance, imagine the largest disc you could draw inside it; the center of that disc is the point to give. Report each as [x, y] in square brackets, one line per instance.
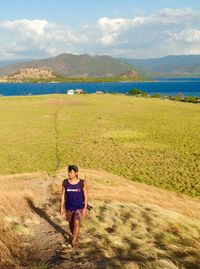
[70, 92]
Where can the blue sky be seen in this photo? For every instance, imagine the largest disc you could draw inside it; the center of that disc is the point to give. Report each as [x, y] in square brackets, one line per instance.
[120, 28]
[76, 12]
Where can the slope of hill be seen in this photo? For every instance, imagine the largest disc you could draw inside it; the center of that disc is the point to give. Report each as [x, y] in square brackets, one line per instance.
[131, 225]
[32, 73]
[68, 65]
[179, 65]
[131, 75]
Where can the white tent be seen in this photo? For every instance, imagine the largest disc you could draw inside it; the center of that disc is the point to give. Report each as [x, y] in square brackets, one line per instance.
[70, 92]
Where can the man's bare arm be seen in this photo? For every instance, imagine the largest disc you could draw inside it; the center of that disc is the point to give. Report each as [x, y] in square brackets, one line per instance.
[85, 191]
[62, 201]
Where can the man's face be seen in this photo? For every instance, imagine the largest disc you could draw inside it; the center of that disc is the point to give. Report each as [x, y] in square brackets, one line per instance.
[72, 174]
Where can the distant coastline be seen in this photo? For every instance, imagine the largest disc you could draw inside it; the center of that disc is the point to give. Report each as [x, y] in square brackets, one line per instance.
[65, 80]
[101, 80]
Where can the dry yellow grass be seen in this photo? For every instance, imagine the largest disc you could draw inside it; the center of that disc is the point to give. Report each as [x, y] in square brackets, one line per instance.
[13, 190]
[108, 187]
[145, 235]
[16, 214]
[132, 225]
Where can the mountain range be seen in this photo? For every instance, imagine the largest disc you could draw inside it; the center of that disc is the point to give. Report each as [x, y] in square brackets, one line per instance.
[85, 66]
[169, 66]
[74, 66]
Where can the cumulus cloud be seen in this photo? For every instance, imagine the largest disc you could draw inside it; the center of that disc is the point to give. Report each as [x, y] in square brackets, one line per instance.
[168, 31]
[36, 39]
[35, 27]
[112, 28]
[188, 36]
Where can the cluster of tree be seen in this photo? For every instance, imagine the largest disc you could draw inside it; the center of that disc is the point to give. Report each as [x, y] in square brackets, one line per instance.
[177, 97]
[138, 92]
[182, 98]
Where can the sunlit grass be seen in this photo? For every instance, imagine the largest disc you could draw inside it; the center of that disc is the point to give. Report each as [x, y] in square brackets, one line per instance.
[124, 229]
[144, 236]
[148, 140]
[16, 215]
[133, 234]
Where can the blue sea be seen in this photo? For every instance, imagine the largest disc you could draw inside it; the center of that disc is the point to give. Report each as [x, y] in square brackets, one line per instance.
[169, 86]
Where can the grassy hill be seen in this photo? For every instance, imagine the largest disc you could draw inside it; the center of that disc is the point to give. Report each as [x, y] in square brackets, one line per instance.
[148, 140]
[117, 141]
[131, 225]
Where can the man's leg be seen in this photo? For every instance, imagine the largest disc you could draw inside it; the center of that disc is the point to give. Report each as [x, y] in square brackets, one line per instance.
[75, 231]
[71, 224]
[70, 219]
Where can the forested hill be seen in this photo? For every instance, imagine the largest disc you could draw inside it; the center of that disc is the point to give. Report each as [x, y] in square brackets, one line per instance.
[69, 65]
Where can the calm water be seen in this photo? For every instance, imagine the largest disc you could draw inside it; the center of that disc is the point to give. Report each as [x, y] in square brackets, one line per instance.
[164, 87]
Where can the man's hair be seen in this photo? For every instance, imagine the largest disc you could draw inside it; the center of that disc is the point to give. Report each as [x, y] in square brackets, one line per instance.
[73, 167]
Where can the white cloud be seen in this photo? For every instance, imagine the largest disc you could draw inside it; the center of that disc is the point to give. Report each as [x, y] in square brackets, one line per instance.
[31, 27]
[168, 31]
[177, 13]
[36, 38]
[188, 36]
[112, 28]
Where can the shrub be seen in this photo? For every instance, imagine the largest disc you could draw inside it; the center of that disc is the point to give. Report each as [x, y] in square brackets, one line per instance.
[156, 95]
[135, 91]
[144, 94]
[178, 97]
[190, 99]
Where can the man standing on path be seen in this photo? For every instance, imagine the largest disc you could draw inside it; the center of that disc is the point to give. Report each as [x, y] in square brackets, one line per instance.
[75, 198]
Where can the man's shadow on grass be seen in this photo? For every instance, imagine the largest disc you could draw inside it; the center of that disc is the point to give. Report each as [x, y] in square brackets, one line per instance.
[42, 213]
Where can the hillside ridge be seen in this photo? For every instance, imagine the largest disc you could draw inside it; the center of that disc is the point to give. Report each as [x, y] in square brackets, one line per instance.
[74, 66]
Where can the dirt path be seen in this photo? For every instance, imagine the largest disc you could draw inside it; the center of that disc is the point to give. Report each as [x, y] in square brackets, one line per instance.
[49, 246]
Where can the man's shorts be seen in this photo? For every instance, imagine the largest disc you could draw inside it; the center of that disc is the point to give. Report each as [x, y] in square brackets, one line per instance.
[77, 214]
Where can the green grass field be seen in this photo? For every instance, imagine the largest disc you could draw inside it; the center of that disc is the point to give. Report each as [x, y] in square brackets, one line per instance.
[148, 140]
